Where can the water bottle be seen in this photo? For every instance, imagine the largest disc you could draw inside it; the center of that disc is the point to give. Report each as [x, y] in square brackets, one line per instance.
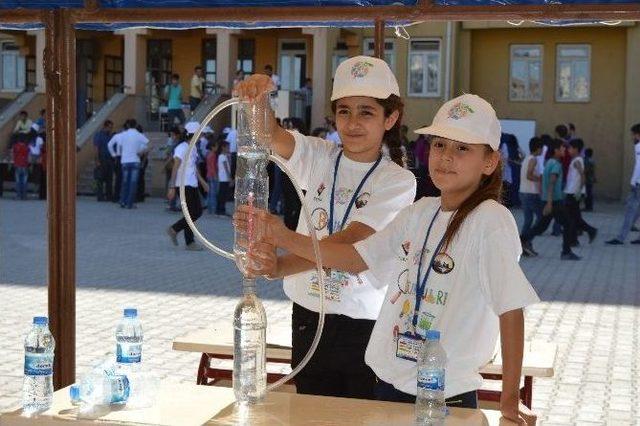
[39, 346]
[98, 388]
[129, 342]
[430, 402]
[249, 346]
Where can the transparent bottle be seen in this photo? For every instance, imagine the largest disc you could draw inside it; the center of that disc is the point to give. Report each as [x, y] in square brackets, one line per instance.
[249, 343]
[255, 127]
[39, 347]
[129, 339]
[430, 401]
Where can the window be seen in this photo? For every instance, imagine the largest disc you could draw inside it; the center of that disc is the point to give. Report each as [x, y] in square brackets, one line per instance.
[209, 55]
[424, 68]
[525, 80]
[573, 73]
[30, 82]
[12, 68]
[389, 53]
[246, 53]
[114, 76]
[159, 62]
[340, 54]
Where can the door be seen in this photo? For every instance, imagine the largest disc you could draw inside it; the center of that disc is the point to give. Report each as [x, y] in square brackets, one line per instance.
[292, 64]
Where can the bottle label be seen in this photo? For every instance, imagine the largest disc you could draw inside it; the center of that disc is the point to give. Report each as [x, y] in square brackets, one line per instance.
[38, 364]
[119, 389]
[431, 379]
[129, 353]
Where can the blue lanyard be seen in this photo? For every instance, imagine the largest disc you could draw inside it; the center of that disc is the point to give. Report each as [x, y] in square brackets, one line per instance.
[355, 195]
[421, 285]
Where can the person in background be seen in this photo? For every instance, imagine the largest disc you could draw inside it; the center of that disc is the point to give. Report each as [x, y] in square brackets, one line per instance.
[23, 125]
[268, 70]
[319, 132]
[42, 121]
[332, 133]
[173, 95]
[238, 78]
[590, 179]
[554, 207]
[132, 145]
[530, 180]
[144, 162]
[175, 138]
[35, 155]
[224, 178]
[573, 193]
[212, 176]
[104, 162]
[632, 211]
[20, 152]
[197, 88]
[507, 176]
[115, 149]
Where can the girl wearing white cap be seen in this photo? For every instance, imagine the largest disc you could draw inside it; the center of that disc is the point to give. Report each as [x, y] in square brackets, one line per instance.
[353, 192]
[451, 264]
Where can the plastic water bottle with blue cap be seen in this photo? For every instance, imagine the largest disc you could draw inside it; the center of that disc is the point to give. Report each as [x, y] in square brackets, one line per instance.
[129, 341]
[39, 346]
[430, 402]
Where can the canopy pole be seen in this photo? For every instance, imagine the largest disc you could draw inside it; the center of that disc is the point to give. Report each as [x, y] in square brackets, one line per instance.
[60, 73]
[378, 49]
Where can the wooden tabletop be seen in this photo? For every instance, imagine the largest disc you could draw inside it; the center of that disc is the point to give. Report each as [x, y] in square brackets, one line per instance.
[187, 404]
[539, 357]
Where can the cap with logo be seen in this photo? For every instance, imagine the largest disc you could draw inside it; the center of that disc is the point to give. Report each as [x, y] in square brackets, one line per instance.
[364, 76]
[192, 127]
[467, 119]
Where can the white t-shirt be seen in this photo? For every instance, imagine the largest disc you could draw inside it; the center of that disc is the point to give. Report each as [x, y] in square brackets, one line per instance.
[463, 304]
[506, 167]
[190, 178]
[36, 148]
[540, 158]
[223, 176]
[132, 143]
[387, 190]
[574, 178]
[635, 177]
[529, 186]
[232, 137]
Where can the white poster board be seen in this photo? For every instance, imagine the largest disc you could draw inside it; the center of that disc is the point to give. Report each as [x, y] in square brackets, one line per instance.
[524, 130]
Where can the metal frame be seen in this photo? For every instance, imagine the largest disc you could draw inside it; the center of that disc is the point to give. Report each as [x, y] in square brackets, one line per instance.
[60, 72]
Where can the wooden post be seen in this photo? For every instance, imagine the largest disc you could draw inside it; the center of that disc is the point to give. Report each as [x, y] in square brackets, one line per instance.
[60, 65]
[379, 39]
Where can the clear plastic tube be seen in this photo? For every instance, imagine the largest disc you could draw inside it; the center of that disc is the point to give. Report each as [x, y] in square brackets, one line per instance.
[219, 251]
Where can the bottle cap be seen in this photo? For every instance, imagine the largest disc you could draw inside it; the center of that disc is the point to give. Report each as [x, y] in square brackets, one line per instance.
[130, 313]
[433, 335]
[40, 320]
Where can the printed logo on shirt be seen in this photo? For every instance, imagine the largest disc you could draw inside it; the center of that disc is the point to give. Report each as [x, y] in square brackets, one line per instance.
[406, 246]
[319, 217]
[404, 286]
[360, 69]
[443, 263]
[343, 195]
[460, 110]
[436, 297]
[362, 200]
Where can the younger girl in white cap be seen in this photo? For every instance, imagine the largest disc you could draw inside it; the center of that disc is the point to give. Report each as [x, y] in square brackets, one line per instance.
[353, 192]
[451, 264]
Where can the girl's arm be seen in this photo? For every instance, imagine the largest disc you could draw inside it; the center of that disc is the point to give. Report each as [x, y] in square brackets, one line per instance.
[512, 348]
[531, 167]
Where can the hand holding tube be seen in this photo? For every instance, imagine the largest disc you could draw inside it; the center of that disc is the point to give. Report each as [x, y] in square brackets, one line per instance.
[271, 228]
[253, 87]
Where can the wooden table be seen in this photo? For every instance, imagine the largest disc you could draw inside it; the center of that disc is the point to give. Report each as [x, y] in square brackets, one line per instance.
[216, 343]
[189, 404]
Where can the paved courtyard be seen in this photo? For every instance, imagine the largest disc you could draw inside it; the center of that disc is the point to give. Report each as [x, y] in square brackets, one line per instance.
[591, 308]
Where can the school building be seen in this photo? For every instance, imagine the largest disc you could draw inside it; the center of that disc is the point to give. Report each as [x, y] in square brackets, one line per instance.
[588, 75]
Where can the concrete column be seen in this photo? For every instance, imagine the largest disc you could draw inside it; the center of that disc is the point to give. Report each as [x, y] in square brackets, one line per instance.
[39, 53]
[321, 77]
[226, 56]
[632, 107]
[135, 58]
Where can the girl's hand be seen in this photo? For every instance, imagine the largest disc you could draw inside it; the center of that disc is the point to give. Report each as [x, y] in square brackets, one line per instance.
[270, 228]
[514, 410]
[252, 87]
[262, 260]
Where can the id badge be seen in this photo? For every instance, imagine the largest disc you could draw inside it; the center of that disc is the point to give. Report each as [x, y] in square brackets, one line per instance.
[409, 347]
[333, 283]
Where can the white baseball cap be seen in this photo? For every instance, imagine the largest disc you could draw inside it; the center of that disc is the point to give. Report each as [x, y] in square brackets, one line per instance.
[468, 119]
[192, 127]
[364, 76]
